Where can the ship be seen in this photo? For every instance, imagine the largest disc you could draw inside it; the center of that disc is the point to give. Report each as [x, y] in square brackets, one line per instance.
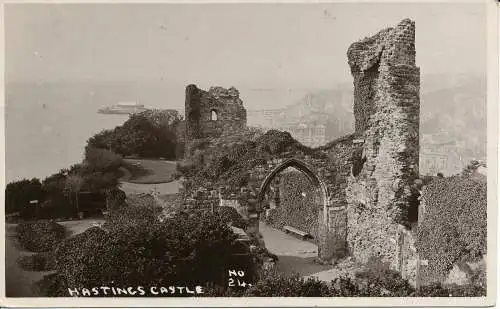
[123, 108]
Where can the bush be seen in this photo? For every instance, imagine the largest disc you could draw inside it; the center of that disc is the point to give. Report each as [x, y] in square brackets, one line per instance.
[274, 142]
[275, 284]
[52, 285]
[102, 160]
[56, 206]
[438, 290]
[40, 236]
[135, 210]
[115, 199]
[181, 250]
[229, 214]
[18, 194]
[147, 134]
[42, 261]
[377, 279]
[453, 228]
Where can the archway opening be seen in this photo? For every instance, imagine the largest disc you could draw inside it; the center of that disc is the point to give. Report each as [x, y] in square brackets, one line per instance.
[214, 115]
[293, 196]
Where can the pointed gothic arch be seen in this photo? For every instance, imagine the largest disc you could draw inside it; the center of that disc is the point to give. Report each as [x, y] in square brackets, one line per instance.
[315, 180]
[300, 166]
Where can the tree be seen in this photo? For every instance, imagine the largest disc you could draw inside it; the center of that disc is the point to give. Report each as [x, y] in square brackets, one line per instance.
[74, 184]
[148, 134]
[18, 194]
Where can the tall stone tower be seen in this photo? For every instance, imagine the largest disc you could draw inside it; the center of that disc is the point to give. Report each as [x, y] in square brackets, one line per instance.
[214, 112]
[387, 108]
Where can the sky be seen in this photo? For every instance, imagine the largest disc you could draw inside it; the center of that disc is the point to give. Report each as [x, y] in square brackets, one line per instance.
[258, 48]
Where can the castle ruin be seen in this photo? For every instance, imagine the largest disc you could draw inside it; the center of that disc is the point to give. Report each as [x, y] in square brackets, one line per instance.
[214, 112]
[364, 181]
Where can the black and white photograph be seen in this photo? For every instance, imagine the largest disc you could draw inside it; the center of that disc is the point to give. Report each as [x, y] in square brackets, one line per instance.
[255, 154]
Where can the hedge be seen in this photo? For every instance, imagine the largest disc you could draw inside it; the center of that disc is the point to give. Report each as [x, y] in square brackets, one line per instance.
[229, 214]
[40, 236]
[438, 290]
[135, 210]
[278, 285]
[453, 228]
[182, 250]
[52, 285]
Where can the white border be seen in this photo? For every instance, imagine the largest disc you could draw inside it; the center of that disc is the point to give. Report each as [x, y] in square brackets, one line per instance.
[493, 156]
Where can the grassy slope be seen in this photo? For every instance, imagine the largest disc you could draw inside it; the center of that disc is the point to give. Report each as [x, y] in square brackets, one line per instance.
[145, 171]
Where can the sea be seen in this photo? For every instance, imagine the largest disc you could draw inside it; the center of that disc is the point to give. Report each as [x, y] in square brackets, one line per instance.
[42, 137]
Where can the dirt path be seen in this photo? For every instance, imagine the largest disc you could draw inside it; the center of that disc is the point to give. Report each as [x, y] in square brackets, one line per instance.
[295, 255]
[162, 188]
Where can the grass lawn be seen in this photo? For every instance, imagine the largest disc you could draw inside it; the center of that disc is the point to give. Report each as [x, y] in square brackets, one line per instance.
[147, 171]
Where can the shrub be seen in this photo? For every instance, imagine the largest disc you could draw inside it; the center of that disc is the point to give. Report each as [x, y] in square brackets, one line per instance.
[52, 285]
[275, 284]
[103, 160]
[42, 261]
[274, 142]
[115, 199]
[236, 178]
[181, 250]
[438, 290]
[40, 236]
[344, 286]
[56, 206]
[229, 214]
[147, 134]
[18, 194]
[453, 228]
[377, 279]
[136, 210]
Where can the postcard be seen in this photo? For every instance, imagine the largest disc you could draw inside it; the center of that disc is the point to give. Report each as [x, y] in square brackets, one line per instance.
[267, 154]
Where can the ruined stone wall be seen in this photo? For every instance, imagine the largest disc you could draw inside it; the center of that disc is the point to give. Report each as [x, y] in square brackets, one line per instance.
[386, 83]
[339, 165]
[331, 165]
[226, 103]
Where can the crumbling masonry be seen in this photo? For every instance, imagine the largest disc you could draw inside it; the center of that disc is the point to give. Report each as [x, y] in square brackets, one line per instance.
[387, 107]
[211, 113]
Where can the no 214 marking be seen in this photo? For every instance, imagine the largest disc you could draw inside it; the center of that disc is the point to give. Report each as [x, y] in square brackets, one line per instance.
[240, 274]
[237, 282]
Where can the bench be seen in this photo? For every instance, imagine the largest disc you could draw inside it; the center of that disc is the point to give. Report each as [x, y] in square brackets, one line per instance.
[303, 234]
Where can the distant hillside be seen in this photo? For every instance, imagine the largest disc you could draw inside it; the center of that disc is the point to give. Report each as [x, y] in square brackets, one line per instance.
[329, 107]
[453, 112]
[456, 114]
